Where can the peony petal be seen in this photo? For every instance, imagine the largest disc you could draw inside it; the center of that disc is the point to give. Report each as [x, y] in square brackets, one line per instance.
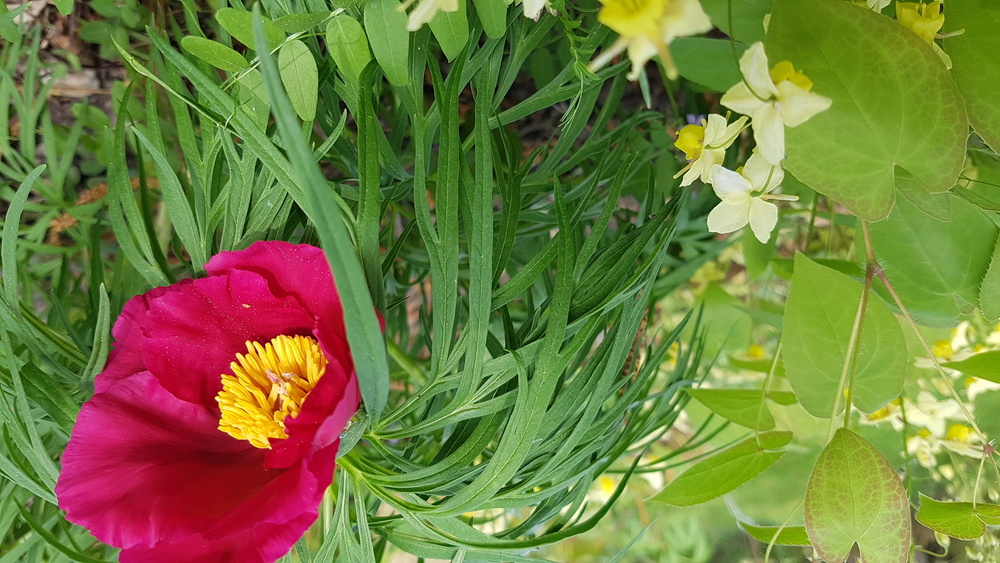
[323, 417]
[143, 465]
[148, 472]
[300, 270]
[728, 217]
[763, 218]
[729, 186]
[129, 335]
[753, 66]
[769, 133]
[798, 105]
[195, 331]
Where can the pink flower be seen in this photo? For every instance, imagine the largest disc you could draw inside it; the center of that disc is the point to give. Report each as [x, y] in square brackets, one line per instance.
[169, 465]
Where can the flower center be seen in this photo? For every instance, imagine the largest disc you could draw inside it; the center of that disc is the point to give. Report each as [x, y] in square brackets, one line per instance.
[268, 383]
[785, 71]
[690, 140]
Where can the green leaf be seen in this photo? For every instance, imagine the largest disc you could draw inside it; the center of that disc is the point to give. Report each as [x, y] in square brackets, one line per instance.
[989, 292]
[961, 520]
[253, 98]
[493, 15]
[238, 24]
[65, 7]
[789, 535]
[318, 201]
[984, 365]
[348, 46]
[936, 267]
[974, 68]
[747, 17]
[300, 77]
[725, 325]
[897, 119]
[390, 41]
[451, 29]
[215, 54]
[717, 475]
[819, 316]
[742, 406]
[708, 62]
[854, 496]
[298, 23]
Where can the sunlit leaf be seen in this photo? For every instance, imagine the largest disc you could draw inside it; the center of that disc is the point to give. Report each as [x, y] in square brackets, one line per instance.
[897, 119]
[984, 365]
[348, 46]
[789, 535]
[747, 17]
[451, 29]
[855, 496]
[989, 292]
[742, 406]
[709, 62]
[974, 66]
[961, 520]
[935, 266]
[717, 475]
[820, 312]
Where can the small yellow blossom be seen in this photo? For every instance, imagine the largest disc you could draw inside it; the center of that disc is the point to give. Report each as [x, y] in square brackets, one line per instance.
[705, 146]
[774, 99]
[647, 27]
[942, 349]
[926, 20]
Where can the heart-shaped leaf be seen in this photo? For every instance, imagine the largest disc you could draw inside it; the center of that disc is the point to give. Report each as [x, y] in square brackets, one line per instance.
[974, 64]
[897, 119]
[961, 520]
[855, 496]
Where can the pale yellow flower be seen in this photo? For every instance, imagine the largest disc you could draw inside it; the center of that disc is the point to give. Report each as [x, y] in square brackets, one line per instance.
[426, 10]
[744, 198]
[926, 20]
[774, 99]
[705, 146]
[533, 8]
[646, 28]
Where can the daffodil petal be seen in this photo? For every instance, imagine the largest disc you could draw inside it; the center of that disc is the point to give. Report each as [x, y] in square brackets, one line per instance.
[769, 132]
[763, 218]
[730, 186]
[798, 105]
[729, 217]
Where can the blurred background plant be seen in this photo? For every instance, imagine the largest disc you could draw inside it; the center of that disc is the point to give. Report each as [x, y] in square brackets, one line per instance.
[505, 193]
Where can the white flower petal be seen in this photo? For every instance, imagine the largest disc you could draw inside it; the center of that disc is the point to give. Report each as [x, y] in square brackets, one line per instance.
[769, 132]
[753, 65]
[763, 218]
[640, 51]
[741, 100]
[684, 18]
[729, 217]
[798, 105]
[533, 8]
[715, 129]
[730, 186]
[761, 174]
[707, 161]
[732, 131]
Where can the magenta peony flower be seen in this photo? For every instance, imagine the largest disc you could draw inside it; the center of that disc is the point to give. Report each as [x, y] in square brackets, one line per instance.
[213, 431]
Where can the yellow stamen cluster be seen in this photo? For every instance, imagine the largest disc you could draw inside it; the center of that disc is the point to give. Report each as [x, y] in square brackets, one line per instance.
[785, 71]
[269, 383]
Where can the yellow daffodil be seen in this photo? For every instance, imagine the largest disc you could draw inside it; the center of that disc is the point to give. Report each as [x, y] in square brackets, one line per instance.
[646, 28]
[426, 10]
[744, 198]
[773, 99]
[705, 146]
[926, 21]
